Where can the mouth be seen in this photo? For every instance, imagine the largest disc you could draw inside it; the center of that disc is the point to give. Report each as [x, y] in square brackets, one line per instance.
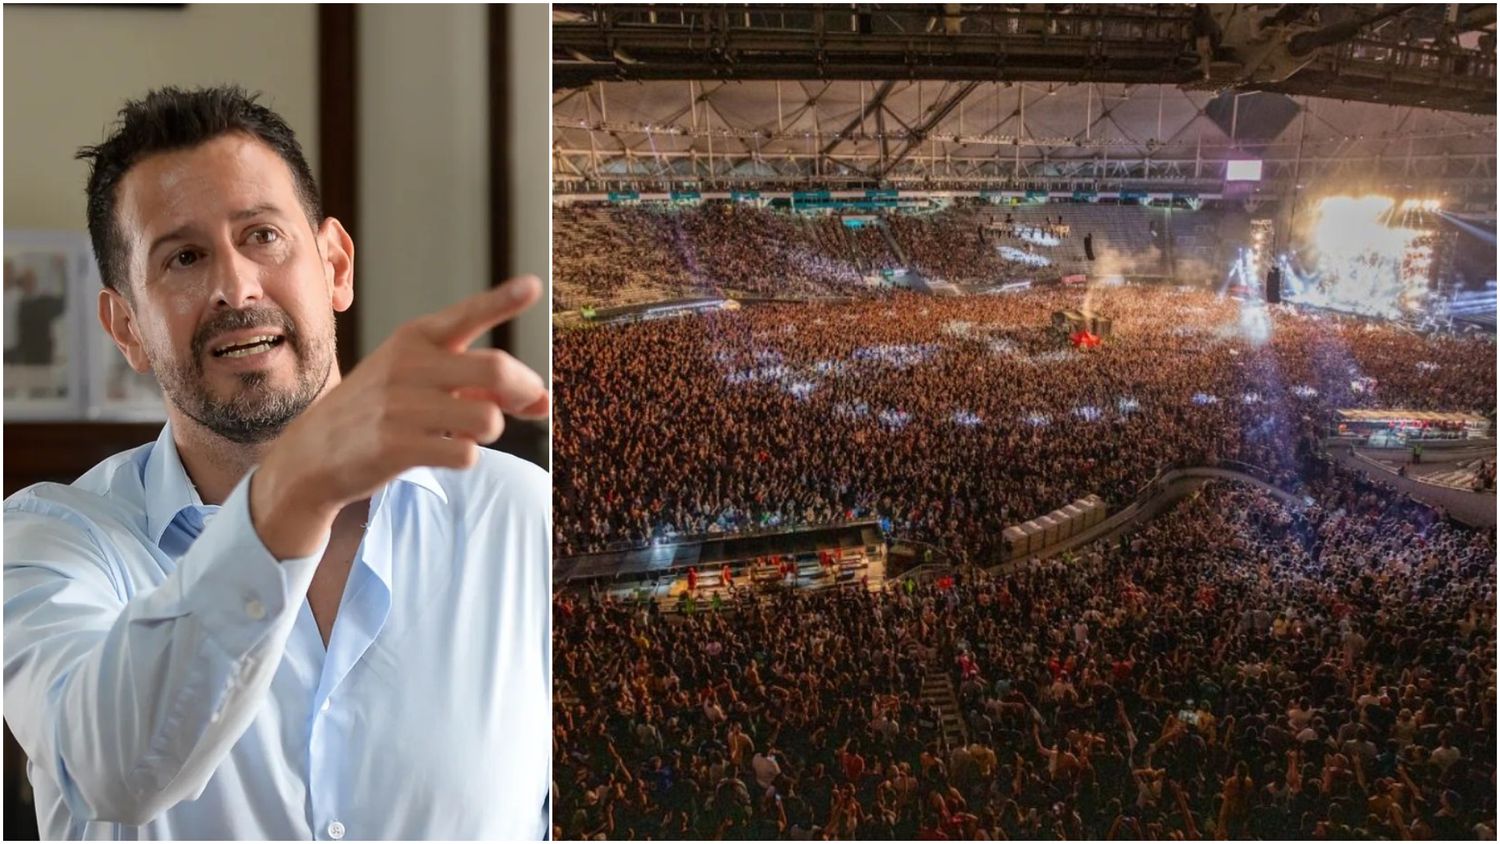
[246, 347]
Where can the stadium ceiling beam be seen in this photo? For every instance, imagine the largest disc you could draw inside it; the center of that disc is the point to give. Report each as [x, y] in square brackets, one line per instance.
[1199, 111]
[565, 162]
[849, 161]
[1000, 124]
[876, 103]
[939, 112]
[885, 142]
[865, 157]
[809, 103]
[1069, 44]
[737, 142]
[1000, 176]
[1107, 113]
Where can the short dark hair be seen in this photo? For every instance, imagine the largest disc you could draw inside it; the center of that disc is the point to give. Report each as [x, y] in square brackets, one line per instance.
[169, 119]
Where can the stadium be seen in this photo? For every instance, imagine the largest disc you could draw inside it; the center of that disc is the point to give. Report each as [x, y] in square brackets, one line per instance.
[1024, 421]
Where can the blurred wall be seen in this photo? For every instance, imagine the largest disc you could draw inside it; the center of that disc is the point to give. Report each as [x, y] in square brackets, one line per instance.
[424, 166]
[68, 71]
[530, 168]
[423, 238]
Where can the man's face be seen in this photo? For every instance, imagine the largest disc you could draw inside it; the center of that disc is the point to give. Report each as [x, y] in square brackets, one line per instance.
[232, 292]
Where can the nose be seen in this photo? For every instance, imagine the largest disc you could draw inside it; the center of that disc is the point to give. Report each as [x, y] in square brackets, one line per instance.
[236, 281]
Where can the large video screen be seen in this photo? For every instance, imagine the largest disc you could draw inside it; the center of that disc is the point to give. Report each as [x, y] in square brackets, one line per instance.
[1242, 171]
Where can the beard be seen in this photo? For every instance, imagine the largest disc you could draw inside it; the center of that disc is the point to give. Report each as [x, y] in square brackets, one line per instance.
[258, 411]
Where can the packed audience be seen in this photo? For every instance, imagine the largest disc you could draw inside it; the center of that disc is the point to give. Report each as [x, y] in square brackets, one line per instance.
[1314, 663]
[754, 250]
[952, 245]
[621, 255]
[954, 417]
[617, 255]
[864, 246]
[1244, 666]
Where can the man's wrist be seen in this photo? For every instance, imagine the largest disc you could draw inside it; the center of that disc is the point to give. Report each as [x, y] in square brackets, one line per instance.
[288, 523]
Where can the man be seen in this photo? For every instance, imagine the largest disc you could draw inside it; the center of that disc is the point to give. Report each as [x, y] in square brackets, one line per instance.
[31, 316]
[315, 607]
[36, 312]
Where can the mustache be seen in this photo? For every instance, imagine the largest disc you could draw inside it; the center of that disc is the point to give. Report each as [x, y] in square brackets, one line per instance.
[257, 317]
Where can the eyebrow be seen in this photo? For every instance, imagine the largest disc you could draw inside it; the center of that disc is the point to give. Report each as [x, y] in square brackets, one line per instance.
[181, 232]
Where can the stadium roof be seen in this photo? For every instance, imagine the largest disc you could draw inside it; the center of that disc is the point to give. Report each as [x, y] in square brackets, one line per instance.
[723, 128]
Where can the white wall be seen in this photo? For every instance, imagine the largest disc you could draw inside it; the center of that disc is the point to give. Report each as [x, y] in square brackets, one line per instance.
[424, 237]
[530, 168]
[68, 71]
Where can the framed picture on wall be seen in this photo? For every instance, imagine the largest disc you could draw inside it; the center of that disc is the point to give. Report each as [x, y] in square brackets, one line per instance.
[44, 305]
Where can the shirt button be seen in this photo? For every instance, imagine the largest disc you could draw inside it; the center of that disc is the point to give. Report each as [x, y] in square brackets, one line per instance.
[327, 702]
[336, 830]
[255, 609]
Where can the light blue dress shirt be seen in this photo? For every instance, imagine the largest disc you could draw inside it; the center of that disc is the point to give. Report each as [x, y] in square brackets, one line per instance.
[166, 677]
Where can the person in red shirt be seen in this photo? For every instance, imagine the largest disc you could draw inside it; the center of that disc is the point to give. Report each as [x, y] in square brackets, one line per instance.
[727, 577]
[853, 763]
[1055, 667]
[692, 577]
[967, 667]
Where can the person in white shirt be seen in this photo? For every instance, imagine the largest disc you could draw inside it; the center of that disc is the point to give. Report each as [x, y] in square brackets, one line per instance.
[1445, 754]
[766, 768]
[315, 606]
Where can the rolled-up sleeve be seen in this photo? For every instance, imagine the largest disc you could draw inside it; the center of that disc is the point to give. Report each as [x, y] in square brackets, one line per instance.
[130, 702]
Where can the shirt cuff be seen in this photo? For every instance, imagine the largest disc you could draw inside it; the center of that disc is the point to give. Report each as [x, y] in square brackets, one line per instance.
[234, 586]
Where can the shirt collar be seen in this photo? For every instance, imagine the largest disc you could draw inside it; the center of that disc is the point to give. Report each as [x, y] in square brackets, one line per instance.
[425, 478]
[169, 491]
[377, 546]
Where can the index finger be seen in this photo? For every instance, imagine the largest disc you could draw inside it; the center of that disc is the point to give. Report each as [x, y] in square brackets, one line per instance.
[460, 324]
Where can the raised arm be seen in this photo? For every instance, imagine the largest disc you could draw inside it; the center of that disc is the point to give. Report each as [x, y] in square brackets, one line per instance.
[1187, 813]
[130, 697]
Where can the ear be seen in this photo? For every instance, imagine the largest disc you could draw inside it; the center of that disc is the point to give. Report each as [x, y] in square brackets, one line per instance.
[338, 263]
[118, 319]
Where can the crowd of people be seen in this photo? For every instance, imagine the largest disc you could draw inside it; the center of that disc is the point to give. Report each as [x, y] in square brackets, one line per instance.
[758, 251]
[613, 255]
[1244, 666]
[954, 417]
[864, 246]
[1315, 661]
[620, 254]
[950, 245]
[616, 256]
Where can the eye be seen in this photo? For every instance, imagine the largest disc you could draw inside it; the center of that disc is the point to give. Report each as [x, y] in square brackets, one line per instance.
[265, 236]
[183, 259]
